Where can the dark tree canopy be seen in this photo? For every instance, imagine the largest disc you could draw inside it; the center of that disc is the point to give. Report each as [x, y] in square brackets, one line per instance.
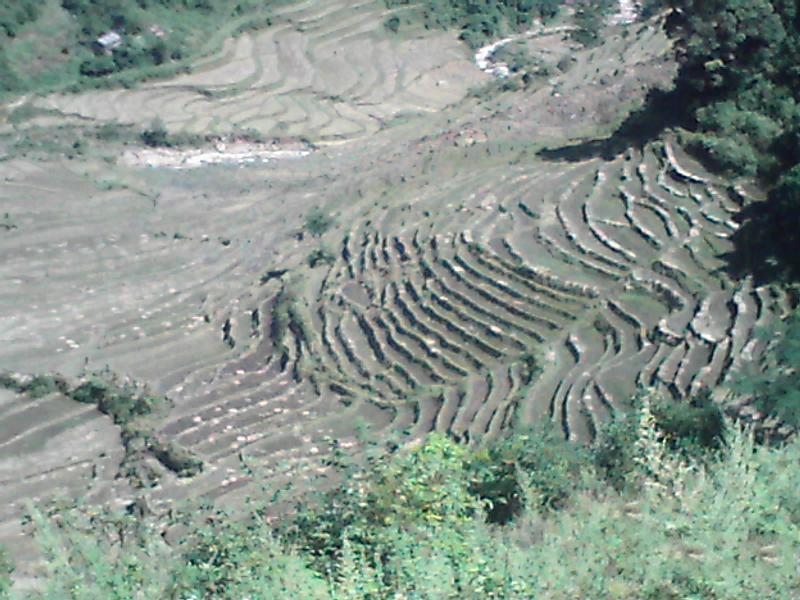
[739, 82]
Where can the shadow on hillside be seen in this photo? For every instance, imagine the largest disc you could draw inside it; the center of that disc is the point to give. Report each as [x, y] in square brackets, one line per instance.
[662, 110]
[766, 245]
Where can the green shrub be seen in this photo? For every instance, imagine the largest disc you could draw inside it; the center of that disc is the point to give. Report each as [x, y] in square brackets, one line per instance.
[480, 21]
[320, 256]
[112, 131]
[16, 14]
[691, 429]
[408, 527]
[392, 24]
[428, 485]
[36, 387]
[738, 84]
[122, 403]
[774, 381]
[589, 21]
[317, 222]
[692, 426]
[176, 458]
[539, 463]
[614, 450]
[156, 135]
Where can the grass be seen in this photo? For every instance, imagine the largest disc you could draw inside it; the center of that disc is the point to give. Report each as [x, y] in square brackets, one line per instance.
[414, 524]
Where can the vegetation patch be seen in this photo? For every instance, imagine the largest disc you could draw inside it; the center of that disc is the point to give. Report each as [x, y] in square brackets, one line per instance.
[320, 256]
[82, 43]
[477, 22]
[774, 382]
[132, 407]
[412, 523]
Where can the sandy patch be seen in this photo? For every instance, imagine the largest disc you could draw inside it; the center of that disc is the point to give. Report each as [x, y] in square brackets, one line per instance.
[237, 153]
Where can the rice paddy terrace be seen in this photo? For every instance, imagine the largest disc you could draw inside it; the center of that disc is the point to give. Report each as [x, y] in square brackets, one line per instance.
[465, 284]
[324, 71]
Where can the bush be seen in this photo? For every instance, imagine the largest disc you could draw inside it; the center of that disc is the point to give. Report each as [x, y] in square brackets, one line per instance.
[123, 404]
[156, 135]
[392, 24]
[9, 82]
[428, 485]
[614, 450]
[175, 458]
[739, 84]
[692, 427]
[480, 21]
[589, 20]
[320, 256]
[774, 382]
[317, 222]
[407, 526]
[538, 463]
[35, 387]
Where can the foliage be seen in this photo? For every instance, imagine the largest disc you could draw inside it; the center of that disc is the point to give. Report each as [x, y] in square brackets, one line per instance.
[156, 135]
[775, 383]
[767, 243]
[15, 14]
[740, 86]
[9, 80]
[131, 407]
[320, 256]
[392, 24]
[37, 386]
[614, 451]
[521, 63]
[480, 21]
[317, 222]
[693, 429]
[538, 467]
[428, 485]
[407, 525]
[692, 426]
[122, 403]
[589, 20]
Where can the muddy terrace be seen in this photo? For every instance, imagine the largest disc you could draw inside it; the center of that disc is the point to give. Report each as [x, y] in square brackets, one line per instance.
[399, 256]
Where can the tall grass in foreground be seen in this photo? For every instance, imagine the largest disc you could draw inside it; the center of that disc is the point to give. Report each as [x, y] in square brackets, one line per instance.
[716, 525]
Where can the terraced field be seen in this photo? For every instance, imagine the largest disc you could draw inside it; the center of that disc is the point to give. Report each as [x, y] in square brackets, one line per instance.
[325, 70]
[605, 274]
[465, 283]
